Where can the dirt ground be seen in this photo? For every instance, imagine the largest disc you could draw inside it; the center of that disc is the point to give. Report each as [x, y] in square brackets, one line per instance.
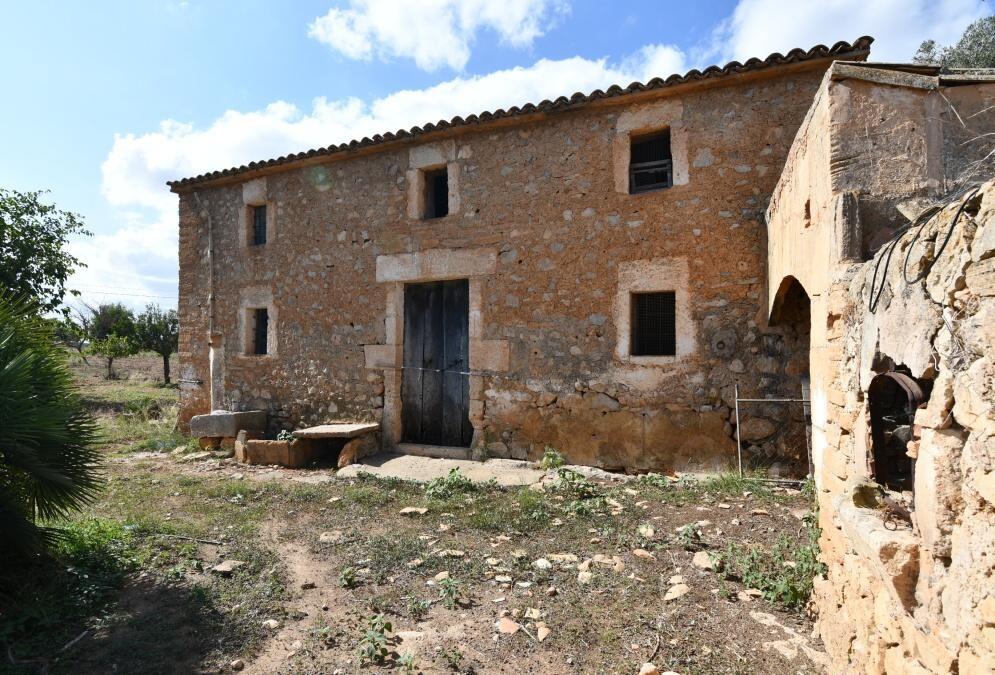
[569, 576]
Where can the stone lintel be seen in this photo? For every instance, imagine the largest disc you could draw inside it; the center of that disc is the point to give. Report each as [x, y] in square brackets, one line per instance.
[436, 264]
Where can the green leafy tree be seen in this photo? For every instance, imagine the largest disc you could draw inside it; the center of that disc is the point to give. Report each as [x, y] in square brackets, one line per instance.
[34, 262]
[48, 462]
[111, 319]
[975, 49]
[158, 331]
[113, 347]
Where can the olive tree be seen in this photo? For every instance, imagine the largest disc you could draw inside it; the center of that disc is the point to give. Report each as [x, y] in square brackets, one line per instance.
[974, 49]
[158, 331]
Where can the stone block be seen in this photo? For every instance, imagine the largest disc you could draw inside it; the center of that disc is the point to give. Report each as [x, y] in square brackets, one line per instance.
[357, 448]
[383, 356]
[291, 454]
[490, 355]
[981, 277]
[222, 423]
[753, 428]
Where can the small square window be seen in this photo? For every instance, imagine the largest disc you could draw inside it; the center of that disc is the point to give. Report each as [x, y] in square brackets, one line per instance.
[650, 164]
[258, 225]
[260, 328]
[437, 193]
[654, 324]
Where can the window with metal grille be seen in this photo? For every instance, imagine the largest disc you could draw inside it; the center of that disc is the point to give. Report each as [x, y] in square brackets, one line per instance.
[654, 329]
[437, 193]
[650, 165]
[260, 329]
[258, 225]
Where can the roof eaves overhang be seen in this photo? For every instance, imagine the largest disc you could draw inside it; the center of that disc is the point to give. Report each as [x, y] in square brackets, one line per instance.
[733, 73]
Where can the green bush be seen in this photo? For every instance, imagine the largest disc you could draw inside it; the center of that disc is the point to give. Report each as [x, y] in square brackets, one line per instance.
[552, 459]
[783, 571]
[449, 486]
[48, 460]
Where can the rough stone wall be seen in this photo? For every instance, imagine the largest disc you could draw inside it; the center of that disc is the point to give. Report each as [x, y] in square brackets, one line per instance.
[918, 598]
[877, 145]
[542, 198]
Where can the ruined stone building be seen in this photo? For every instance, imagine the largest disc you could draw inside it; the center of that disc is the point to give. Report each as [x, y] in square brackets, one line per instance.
[586, 274]
[881, 246]
[599, 274]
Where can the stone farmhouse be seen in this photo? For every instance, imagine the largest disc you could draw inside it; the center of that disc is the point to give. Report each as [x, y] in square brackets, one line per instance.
[586, 273]
[610, 274]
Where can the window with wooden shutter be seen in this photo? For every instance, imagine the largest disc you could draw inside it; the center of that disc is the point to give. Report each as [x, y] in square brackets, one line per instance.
[654, 324]
[650, 164]
[259, 225]
[260, 330]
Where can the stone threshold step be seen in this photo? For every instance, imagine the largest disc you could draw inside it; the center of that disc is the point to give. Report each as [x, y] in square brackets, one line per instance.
[437, 451]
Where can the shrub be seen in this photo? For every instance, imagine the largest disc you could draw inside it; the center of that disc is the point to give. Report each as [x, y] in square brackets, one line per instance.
[552, 459]
[373, 644]
[449, 591]
[449, 486]
[48, 462]
[784, 571]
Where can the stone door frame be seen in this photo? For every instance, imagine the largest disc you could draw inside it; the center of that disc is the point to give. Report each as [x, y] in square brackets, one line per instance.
[485, 356]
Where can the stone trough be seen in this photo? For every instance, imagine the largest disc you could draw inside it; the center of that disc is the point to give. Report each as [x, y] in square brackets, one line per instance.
[351, 441]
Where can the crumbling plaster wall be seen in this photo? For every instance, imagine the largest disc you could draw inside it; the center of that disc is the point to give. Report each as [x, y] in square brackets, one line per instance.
[896, 598]
[918, 599]
[542, 195]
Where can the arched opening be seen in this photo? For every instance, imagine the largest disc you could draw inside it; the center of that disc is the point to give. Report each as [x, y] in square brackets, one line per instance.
[893, 398]
[791, 313]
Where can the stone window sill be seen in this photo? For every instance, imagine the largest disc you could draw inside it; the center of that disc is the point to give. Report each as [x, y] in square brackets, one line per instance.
[893, 555]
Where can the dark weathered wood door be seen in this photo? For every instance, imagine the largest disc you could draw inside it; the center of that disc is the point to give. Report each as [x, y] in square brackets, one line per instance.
[435, 389]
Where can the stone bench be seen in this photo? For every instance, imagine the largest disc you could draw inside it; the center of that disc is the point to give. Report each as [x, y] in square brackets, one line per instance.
[358, 440]
[221, 427]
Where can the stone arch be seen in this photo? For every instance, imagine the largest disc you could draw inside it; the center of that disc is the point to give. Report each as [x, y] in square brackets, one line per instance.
[791, 312]
[791, 304]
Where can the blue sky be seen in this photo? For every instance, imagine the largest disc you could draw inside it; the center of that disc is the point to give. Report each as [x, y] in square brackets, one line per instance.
[105, 101]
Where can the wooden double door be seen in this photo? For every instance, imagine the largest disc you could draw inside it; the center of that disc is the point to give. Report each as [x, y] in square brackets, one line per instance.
[435, 387]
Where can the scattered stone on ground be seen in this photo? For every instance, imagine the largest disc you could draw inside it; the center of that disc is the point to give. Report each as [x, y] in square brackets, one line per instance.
[676, 591]
[227, 567]
[507, 626]
[413, 511]
[704, 561]
[332, 537]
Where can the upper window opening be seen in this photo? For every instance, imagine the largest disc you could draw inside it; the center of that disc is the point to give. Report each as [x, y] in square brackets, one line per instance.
[437, 193]
[258, 225]
[650, 164]
[260, 330]
[654, 324]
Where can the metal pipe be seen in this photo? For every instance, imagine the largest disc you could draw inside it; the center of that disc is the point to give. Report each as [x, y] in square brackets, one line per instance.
[739, 443]
[774, 400]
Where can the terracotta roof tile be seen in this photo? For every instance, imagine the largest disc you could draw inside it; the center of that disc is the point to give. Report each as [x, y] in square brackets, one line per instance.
[858, 49]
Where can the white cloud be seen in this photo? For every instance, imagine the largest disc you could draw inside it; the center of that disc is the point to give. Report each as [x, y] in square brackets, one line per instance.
[433, 33]
[760, 27]
[140, 257]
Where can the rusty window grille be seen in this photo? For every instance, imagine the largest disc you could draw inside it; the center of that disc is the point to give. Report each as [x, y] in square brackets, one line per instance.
[261, 328]
[654, 324]
[650, 163]
[258, 225]
[437, 193]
